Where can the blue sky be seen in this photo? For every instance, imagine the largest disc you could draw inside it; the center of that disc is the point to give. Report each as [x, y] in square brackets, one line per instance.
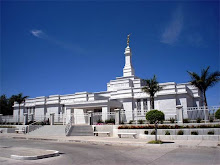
[66, 47]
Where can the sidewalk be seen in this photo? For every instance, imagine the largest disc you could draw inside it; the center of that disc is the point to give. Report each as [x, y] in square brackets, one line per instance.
[116, 141]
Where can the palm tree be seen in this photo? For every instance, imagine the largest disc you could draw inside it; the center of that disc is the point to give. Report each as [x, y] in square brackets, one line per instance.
[20, 99]
[205, 81]
[151, 87]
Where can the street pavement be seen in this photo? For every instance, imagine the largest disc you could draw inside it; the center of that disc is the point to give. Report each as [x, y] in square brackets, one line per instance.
[78, 153]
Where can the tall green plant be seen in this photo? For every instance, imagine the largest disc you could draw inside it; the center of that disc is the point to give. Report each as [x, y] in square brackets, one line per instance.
[151, 87]
[204, 81]
[20, 99]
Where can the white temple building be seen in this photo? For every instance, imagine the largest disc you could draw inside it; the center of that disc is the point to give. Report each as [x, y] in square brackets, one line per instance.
[122, 93]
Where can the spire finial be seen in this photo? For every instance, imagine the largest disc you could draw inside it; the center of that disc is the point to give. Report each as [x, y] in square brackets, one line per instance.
[128, 39]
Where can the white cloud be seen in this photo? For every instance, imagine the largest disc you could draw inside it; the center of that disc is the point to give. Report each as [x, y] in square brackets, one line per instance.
[38, 33]
[173, 30]
[72, 47]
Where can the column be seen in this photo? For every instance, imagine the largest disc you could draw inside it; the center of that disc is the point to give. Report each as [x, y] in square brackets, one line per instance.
[105, 111]
[179, 110]
[69, 115]
[52, 118]
[90, 117]
[117, 117]
[25, 119]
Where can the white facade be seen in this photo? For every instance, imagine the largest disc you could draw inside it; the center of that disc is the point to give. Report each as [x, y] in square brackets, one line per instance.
[123, 93]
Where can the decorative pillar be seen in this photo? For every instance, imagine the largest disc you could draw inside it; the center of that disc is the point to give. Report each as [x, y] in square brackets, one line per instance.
[105, 111]
[117, 117]
[25, 119]
[90, 117]
[52, 118]
[179, 110]
[32, 117]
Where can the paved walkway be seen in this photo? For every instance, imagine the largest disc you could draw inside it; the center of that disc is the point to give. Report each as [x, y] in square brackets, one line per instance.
[116, 141]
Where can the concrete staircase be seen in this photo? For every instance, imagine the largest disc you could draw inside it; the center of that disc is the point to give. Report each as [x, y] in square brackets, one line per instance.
[49, 130]
[81, 130]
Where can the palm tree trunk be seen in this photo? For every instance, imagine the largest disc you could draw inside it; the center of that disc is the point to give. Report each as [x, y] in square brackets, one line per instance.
[18, 113]
[152, 102]
[155, 131]
[205, 100]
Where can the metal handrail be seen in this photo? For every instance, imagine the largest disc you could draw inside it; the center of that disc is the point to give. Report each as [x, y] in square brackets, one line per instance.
[68, 126]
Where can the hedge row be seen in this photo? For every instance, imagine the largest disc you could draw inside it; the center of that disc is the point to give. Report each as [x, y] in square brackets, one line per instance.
[151, 126]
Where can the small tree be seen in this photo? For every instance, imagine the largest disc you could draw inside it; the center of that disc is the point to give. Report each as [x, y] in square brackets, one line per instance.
[155, 116]
[217, 114]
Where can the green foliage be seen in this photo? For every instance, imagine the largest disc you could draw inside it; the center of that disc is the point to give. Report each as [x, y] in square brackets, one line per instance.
[6, 104]
[155, 115]
[155, 142]
[146, 132]
[110, 121]
[167, 132]
[211, 119]
[100, 121]
[180, 132]
[172, 120]
[211, 133]
[185, 120]
[131, 121]
[198, 120]
[7, 126]
[153, 132]
[151, 126]
[194, 133]
[205, 81]
[217, 114]
[151, 87]
[140, 121]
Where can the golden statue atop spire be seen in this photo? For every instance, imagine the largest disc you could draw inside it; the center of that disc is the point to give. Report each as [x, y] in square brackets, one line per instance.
[128, 39]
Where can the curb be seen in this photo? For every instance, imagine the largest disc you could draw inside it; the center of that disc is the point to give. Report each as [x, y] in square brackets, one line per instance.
[18, 157]
[142, 144]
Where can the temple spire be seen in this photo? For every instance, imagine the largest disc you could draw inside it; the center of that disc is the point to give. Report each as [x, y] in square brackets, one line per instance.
[128, 68]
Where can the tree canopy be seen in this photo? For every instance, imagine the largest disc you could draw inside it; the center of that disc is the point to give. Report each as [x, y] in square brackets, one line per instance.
[204, 81]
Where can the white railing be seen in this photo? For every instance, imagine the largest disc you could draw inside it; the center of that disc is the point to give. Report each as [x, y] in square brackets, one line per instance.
[68, 126]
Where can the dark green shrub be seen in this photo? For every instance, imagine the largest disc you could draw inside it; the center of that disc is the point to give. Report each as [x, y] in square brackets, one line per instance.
[131, 121]
[217, 114]
[185, 120]
[154, 115]
[180, 132]
[140, 121]
[110, 121]
[172, 120]
[155, 142]
[167, 132]
[211, 119]
[194, 133]
[198, 120]
[153, 132]
[146, 132]
[100, 121]
[211, 133]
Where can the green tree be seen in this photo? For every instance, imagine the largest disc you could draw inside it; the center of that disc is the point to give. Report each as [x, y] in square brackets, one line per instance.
[3, 105]
[217, 114]
[151, 87]
[205, 81]
[20, 99]
[155, 116]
